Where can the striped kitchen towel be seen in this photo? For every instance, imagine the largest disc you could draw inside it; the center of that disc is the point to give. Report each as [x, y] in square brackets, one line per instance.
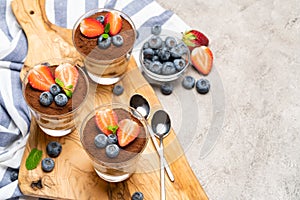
[14, 114]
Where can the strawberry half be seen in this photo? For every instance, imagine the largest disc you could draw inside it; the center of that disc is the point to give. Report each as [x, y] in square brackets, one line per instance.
[91, 27]
[128, 130]
[194, 38]
[105, 120]
[202, 59]
[115, 22]
[41, 78]
[66, 76]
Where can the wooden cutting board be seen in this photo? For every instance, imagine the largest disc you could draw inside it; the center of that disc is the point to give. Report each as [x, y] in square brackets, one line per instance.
[73, 176]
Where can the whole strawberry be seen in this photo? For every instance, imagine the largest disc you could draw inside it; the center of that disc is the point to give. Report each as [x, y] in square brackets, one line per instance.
[194, 38]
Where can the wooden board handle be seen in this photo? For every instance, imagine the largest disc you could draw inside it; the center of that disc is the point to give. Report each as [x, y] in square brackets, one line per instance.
[45, 40]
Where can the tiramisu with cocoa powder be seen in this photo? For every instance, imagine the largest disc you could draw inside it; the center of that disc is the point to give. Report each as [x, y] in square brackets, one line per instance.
[105, 38]
[54, 93]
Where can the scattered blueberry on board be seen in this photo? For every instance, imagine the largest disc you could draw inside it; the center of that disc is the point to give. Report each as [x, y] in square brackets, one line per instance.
[188, 82]
[112, 150]
[166, 88]
[48, 164]
[53, 149]
[137, 196]
[118, 90]
[202, 86]
[100, 141]
[14, 175]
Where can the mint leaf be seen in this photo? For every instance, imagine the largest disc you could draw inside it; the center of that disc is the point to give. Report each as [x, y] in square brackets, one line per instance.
[69, 87]
[69, 93]
[59, 82]
[33, 159]
[107, 27]
[105, 35]
[113, 128]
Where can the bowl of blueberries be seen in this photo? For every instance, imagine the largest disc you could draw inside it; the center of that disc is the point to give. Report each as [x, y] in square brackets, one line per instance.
[164, 57]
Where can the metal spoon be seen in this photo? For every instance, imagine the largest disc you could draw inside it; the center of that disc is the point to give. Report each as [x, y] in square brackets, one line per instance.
[161, 125]
[142, 106]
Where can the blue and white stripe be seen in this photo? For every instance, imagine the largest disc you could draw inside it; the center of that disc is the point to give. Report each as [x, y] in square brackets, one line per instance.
[14, 114]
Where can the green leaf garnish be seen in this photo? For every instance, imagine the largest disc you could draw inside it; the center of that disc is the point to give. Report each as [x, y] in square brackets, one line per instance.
[105, 35]
[69, 93]
[59, 82]
[113, 128]
[69, 87]
[107, 27]
[33, 159]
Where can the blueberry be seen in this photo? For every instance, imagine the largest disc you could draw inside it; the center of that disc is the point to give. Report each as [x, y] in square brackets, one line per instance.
[14, 175]
[53, 149]
[61, 99]
[46, 64]
[168, 68]
[55, 89]
[155, 67]
[117, 40]
[179, 64]
[48, 164]
[147, 63]
[137, 196]
[46, 98]
[112, 150]
[155, 42]
[188, 82]
[104, 43]
[100, 140]
[146, 45]
[183, 47]
[166, 88]
[112, 139]
[176, 52]
[164, 54]
[156, 29]
[148, 53]
[118, 90]
[155, 58]
[202, 86]
[100, 18]
[170, 42]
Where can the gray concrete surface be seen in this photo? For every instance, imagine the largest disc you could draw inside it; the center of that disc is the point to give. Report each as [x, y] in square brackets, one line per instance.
[256, 46]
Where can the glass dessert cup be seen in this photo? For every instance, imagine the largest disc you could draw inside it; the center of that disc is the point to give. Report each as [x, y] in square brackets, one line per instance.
[105, 66]
[54, 120]
[125, 164]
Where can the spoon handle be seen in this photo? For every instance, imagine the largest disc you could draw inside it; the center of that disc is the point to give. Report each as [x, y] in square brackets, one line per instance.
[162, 172]
[165, 164]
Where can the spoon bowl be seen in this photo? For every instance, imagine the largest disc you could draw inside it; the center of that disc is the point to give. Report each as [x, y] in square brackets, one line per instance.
[140, 104]
[161, 123]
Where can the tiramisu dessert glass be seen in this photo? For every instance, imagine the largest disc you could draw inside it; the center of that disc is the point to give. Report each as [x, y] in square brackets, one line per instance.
[105, 39]
[114, 136]
[55, 91]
